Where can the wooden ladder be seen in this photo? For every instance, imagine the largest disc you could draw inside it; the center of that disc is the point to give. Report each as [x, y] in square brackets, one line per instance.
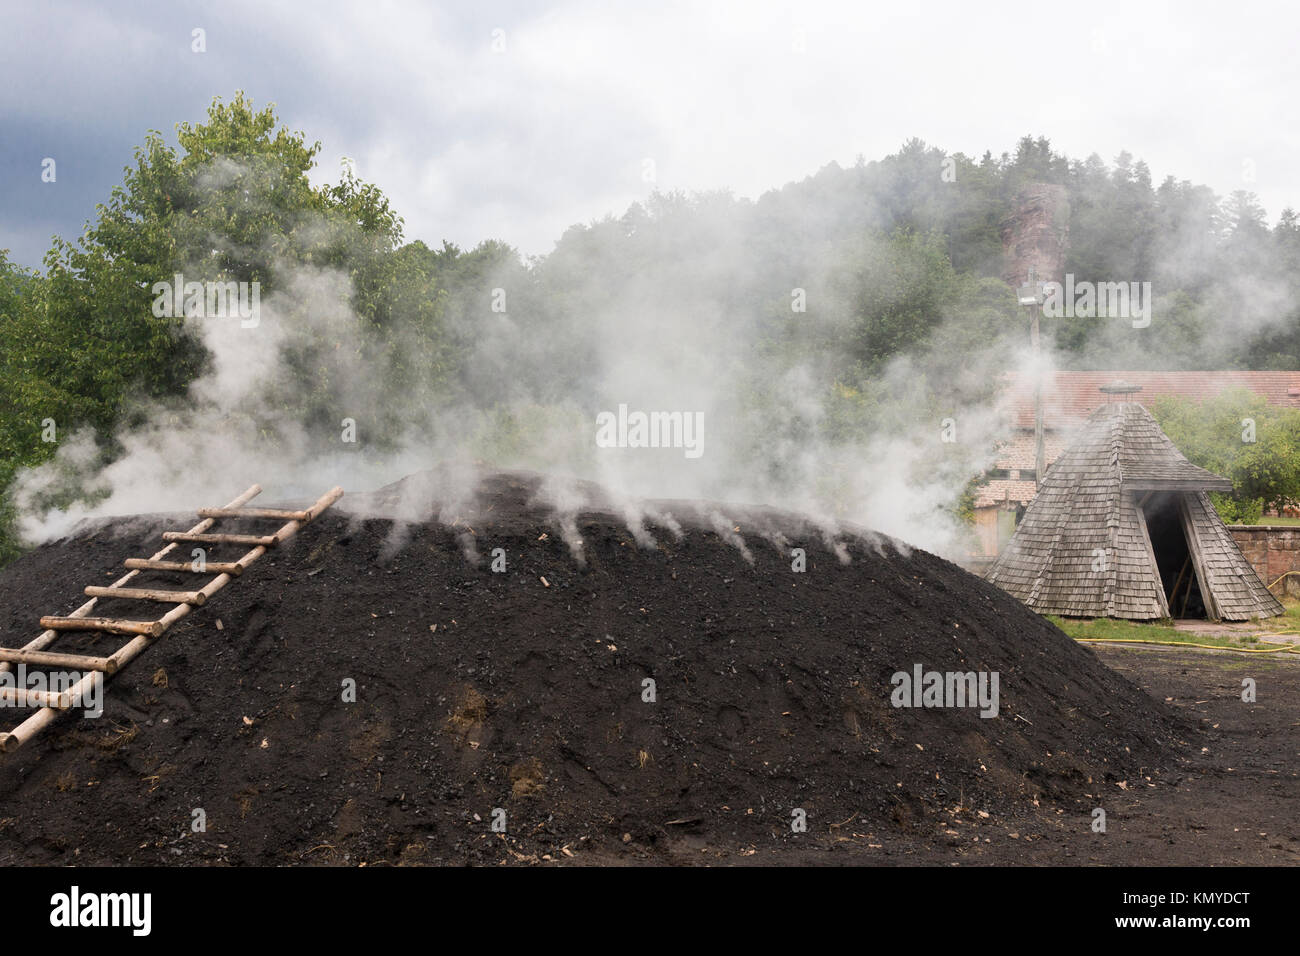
[144, 633]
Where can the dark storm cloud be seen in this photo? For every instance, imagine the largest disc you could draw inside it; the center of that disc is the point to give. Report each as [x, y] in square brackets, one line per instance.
[555, 124]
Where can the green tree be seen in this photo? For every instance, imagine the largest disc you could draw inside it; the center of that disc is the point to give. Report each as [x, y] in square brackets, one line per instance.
[82, 345]
[1239, 435]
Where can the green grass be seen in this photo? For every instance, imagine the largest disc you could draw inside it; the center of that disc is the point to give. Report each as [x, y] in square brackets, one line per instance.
[1111, 630]
[1290, 620]
[1265, 519]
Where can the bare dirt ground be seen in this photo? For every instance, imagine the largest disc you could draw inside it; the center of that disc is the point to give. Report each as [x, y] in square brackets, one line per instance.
[1235, 804]
[523, 692]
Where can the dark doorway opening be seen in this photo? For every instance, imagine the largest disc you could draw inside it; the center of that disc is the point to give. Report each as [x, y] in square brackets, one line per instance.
[1173, 558]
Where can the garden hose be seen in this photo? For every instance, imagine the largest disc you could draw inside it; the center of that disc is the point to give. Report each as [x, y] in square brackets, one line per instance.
[1279, 649]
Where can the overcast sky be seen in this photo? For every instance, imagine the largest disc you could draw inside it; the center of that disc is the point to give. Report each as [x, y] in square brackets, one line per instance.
[472, 141]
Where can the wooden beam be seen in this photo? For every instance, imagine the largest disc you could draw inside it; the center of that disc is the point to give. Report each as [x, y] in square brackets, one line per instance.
[265, 541]
[150, 628]
[21, 697]
[255, 513]
[249, 558]
[184, 567]
[74, 662]
[38, 721]
[197, 598]
[1173, 594]
[324, 501]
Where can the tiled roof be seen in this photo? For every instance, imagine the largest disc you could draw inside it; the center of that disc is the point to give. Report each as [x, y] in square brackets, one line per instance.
[1019, 452]
[1070, 397]
[1000, 490]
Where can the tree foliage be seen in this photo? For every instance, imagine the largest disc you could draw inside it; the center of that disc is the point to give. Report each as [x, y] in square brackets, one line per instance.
[898, 259]
[1238, 435]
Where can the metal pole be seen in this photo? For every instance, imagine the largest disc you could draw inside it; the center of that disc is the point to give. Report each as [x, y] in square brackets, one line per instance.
[1038, 399]
[1031, 296]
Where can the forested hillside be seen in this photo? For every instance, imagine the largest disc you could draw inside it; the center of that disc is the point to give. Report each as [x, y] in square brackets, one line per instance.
[860, 301]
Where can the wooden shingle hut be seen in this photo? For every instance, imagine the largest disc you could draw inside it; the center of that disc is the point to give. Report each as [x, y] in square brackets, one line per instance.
[1123, 527]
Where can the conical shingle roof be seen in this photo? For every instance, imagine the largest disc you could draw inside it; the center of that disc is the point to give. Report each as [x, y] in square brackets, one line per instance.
[1083, 548]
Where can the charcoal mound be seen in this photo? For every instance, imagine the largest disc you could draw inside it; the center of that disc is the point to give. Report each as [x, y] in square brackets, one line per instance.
[670, 676]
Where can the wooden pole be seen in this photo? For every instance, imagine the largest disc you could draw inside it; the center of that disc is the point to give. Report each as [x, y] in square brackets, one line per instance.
[254, 513]
[149, 594]
[184, 567]
[152, 628]
[21, 697]
[1173, 595]
[38, 721]
[71, 662]
[324, 501]
[253, 539]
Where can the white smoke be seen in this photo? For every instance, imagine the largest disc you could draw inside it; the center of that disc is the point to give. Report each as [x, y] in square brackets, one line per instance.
[650, 347]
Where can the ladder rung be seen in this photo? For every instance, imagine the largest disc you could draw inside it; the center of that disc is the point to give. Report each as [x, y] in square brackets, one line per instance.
[22, 697]
[76, 662]
[255, 513]
[211, 567]
[149, 628]
[197, 598]
[253, 540]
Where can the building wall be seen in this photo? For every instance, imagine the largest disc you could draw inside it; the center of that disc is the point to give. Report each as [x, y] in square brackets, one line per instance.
[994, 527]
[986, 530]
[1272, 551]
[1016, 457]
